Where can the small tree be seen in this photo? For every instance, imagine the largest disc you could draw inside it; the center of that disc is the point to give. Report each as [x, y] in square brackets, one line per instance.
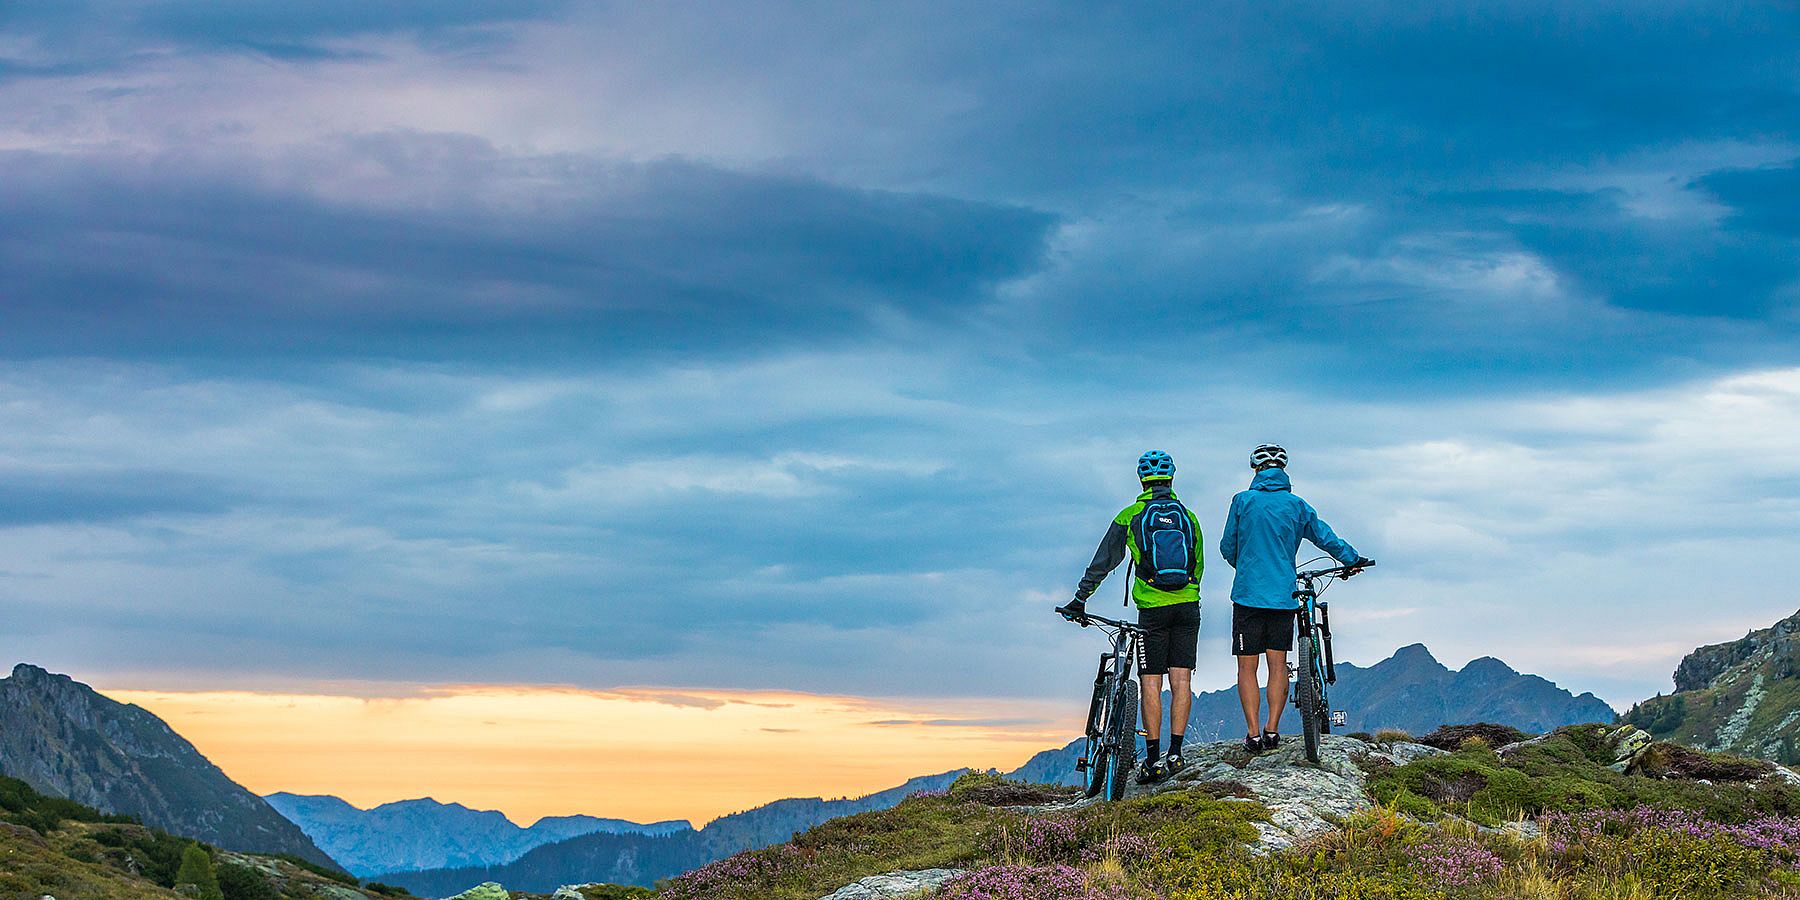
[197, 870]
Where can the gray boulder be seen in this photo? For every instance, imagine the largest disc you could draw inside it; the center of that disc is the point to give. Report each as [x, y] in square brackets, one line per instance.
[487, 890]
[894, 885]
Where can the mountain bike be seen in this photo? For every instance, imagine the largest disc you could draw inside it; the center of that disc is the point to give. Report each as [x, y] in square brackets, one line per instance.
[1315, 670]
[1107, 760]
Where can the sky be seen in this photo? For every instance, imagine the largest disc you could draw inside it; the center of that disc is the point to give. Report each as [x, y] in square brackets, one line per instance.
[371, 351]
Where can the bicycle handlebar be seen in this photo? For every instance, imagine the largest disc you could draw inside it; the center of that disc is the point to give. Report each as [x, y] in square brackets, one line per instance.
[1099, 620]
[1334, 571]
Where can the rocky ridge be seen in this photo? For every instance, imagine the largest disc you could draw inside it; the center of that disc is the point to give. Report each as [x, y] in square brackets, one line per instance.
[64, 739]
[1740, 696]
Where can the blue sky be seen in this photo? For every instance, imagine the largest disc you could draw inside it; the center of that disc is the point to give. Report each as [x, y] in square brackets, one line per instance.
[810, 346]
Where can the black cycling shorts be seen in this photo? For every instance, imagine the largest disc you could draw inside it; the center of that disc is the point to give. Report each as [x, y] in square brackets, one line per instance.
[1255, 629]
[1171, 637]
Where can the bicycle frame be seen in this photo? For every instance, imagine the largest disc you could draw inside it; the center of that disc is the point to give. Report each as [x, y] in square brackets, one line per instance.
[1313, 623]
[1317, 669]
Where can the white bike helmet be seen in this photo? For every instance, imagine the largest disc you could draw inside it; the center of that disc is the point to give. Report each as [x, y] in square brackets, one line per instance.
[1267, 455]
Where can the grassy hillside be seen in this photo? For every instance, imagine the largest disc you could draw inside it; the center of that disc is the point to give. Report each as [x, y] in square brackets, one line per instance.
[55, 847]
[1551, 819]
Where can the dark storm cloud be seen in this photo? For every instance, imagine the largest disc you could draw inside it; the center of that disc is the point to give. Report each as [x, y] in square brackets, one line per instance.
[37, 498]
[137, 259]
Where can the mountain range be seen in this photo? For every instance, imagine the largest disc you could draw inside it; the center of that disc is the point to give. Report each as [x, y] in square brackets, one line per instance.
[642, 859]
[67, 740]
[409, 835]
[63, 739]
[1410, 691]
[1741, 696]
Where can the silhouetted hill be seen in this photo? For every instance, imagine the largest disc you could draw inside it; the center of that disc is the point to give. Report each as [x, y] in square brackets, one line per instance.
[642, 859]
[63, 739]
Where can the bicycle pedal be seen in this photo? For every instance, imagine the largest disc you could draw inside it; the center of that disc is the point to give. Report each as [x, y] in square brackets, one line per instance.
[1081, 764]
[1339, 718]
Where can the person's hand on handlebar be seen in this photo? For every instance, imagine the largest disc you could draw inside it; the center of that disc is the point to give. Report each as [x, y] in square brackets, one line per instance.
[1362, 562]
[1075, 611]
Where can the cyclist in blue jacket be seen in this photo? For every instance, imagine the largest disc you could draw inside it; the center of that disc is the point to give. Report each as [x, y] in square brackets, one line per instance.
[1262, 534]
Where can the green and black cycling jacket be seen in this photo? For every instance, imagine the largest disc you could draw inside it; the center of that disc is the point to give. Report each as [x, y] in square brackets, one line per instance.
[1121, 539]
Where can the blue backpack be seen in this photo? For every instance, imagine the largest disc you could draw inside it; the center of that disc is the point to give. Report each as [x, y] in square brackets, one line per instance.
[1165, 539]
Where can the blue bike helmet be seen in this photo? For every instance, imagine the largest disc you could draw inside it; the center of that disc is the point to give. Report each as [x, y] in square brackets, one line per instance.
[1155, 465]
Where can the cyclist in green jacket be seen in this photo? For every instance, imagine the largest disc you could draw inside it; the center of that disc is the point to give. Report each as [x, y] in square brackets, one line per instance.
[1162, 537]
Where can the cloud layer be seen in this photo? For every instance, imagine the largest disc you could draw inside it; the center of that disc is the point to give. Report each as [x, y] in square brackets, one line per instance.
[808, 347]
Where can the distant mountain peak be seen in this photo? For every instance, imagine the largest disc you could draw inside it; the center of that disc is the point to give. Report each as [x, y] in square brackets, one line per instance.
[1488, 666]
[1412, 655]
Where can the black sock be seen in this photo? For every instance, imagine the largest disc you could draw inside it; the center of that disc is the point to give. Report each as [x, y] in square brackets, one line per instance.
[1175, 744]
[1152, 749]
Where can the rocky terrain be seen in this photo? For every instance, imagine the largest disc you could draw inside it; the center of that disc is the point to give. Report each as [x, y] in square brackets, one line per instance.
[1742, 696]
[414, 835]
[64, 739]
[1410, 691]
[1584, 812]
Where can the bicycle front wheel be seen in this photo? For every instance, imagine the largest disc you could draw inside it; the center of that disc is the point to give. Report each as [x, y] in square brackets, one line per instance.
[1308, 697]
[1122, 740]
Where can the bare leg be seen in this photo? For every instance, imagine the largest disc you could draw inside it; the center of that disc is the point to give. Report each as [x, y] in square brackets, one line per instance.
[1150, 703]
[1181, 699]
[1250, 693]
[1278, 688]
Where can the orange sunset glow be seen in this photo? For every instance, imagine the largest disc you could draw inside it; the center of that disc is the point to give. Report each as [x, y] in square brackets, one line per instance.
[642, 753]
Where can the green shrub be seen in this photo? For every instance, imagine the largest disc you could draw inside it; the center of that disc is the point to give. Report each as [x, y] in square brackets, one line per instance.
[20, 804]
[156, 855]
[1452, 737]
[239, 882]
[990, 789]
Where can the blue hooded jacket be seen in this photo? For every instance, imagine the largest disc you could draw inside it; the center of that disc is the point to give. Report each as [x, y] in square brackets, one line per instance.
[1263, 533]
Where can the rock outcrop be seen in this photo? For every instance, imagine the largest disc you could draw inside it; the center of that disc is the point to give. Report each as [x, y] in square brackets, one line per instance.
[1303, 799]
[1741, 696]
[62, 738]
[894, 885]
[487, 890]
[1410, 691]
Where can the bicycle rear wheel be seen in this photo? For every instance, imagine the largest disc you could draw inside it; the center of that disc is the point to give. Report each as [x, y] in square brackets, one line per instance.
[1307, 696]
[1121, 740]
